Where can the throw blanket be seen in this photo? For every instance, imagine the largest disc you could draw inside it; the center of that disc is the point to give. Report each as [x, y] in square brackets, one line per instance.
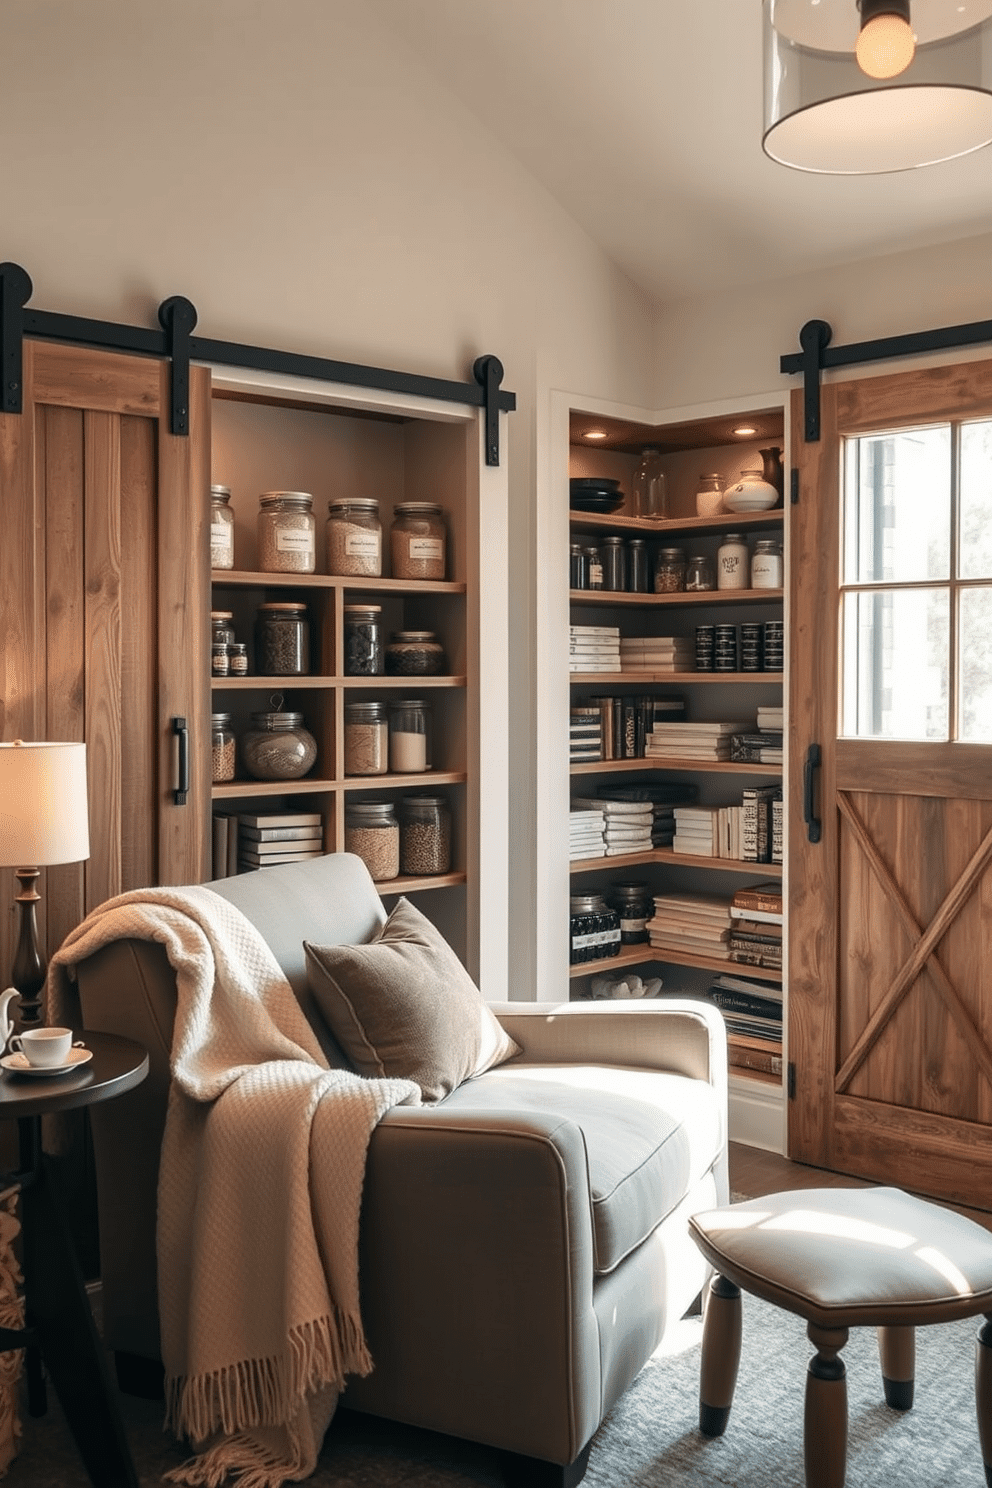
[263, 1161]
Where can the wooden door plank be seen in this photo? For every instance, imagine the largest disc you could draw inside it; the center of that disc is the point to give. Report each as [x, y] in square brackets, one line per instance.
[103, 652]
[885, 767]
[937, 1155]
[926, 395]
[139, 644]
[108, 382]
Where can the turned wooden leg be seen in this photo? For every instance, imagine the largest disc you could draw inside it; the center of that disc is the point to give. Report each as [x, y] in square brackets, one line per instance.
[983, 1392]
[825, 1429]
[721, 1355]
[897, 1355]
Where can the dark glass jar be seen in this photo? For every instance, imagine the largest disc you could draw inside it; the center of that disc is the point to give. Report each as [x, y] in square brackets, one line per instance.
[425, 835]
[637, 566]
[363, 652]
[614, 563]
[594, 929]
[282, 639]
[414, 653]
[578, 567]
[634, 904]
[594, 567]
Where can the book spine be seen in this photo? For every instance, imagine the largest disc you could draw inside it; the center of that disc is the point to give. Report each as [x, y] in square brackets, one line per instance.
[771, 903]
[745, 1002]
[762, 1061]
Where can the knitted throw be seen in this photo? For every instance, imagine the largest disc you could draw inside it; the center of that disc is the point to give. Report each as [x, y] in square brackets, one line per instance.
[262, 1167]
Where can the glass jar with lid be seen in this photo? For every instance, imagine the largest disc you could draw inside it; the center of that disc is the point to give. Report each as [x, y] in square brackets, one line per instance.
[425, 834]
[286, 532]
[418, 541]
[222, 748]
[732, 570]
[669, 572]
[578, 567]
[372, 832]
[354, 537]
[637, 566]
[278, 746]
[363, 653]
[414, 653]
[709, 496]
[594, 567]
[594, 929]
[409, 736]
[614, 563]
[634, 904]
[366, 739]
[282, 639]
[221, 528]
[766, 564]
[700, 573]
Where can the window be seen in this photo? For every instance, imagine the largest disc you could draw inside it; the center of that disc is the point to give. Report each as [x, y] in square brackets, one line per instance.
[916, 584]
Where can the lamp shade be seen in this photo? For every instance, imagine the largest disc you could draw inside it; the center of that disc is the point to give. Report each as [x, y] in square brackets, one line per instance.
[824, 114]
[44, 817]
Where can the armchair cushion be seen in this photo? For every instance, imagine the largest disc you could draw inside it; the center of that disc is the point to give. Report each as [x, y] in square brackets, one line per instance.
[403, 1005]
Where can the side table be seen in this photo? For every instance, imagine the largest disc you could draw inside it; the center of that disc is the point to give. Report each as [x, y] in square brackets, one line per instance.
[58, 1318]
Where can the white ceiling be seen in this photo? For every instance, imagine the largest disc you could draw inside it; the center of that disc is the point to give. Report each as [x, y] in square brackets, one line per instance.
[643, 118]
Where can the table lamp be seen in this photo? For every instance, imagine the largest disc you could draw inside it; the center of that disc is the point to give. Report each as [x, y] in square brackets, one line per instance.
[43, 820]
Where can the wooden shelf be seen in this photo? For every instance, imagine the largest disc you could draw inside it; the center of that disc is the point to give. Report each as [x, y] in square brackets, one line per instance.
[726, 767]
[249, 789]
[679, 600]
[240, 578]
[314, 683]
[646, 954]
[698, 526]
[665, 855]
[677, 679]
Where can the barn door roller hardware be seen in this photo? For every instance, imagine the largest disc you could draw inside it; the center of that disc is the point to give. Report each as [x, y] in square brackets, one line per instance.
[176, 343]
[817, 355]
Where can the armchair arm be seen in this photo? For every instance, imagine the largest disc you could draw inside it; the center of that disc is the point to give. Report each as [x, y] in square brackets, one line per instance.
[682, 1035]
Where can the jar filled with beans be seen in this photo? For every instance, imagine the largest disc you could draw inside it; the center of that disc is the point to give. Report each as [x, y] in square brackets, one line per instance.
[354, 537]
[282, 639]
[363, 649]
[372, 832]
[286, 532]
[418, 541]
[222, 748]
[425, 834]
[366, 739]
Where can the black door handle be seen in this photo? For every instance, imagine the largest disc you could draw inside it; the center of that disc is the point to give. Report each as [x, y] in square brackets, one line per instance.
[812, 764]
[182, 734]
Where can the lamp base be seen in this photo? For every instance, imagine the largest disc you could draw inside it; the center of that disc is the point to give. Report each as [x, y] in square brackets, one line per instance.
[29, 968]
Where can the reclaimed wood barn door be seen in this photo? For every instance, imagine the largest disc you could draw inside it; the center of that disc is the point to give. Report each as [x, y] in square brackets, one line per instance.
[104, 575]
[890, 871]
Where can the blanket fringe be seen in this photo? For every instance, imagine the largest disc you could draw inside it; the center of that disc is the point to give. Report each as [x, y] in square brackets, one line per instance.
[254, 1468]
[268, 1392]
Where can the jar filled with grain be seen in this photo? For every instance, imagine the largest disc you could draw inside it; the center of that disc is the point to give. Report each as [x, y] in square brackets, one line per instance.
[414, 653]
[278, 746]
[221, 528]
[425, 834]
[409, 736]
[372, 832]
[354, 537]
[418, 541]
[366, 739]
[222, 748]
[286, 532]
[363, 653]
[669, 573]
[282, 639]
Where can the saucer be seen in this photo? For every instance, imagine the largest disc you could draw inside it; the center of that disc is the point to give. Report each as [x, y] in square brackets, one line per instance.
[17, 1064]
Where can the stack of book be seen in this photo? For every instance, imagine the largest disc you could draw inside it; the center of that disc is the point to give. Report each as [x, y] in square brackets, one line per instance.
[278, 837]
[663, 797]
[753, 1009]
[585, 733]
[627, 720]
[699, 923]
[708, 831]
[594, 648]
[757, 918]
[585, 831]
[760, 747]
[657, 654]
[772, 719]
[626, 824]
[758, 826]
[778, 818]
[699, 741]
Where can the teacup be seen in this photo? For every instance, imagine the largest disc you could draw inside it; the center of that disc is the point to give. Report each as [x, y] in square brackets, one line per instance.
[45, 1048]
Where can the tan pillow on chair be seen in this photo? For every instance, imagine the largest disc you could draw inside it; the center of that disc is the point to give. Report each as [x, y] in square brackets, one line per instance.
[404, 1006]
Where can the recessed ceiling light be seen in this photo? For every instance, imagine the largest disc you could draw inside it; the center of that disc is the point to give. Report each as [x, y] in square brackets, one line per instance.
[595, 434]
[745, 429]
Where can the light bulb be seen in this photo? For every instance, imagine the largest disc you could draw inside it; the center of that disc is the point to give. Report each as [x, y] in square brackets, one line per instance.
[886, 46]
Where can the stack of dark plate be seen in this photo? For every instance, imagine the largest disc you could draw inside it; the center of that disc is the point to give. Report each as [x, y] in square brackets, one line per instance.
[594, 493]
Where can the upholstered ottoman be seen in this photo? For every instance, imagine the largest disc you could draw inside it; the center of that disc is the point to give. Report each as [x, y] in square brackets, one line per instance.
[843, 1258]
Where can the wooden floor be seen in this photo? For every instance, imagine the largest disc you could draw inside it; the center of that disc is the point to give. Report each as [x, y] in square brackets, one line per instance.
[754, 1172]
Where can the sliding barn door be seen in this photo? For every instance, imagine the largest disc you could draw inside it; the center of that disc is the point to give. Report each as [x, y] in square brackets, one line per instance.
[890, 874]
[104, 573]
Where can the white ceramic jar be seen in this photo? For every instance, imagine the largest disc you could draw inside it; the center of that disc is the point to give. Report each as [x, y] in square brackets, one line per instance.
[732, 571]
[766, 565]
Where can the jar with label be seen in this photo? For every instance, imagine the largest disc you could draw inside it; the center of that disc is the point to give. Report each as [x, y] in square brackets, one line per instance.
[282, 639]
[418, 541]
[614, 563]
[409, 736]
[578, 567]
[414, 653]
[354, 537]
[425, 834]
[366, 739]
[372, 832]
[286, 532]
[732, 571]
[594, 929]
[222, 748]
[669, 573]
[700, 573]
[238, 659]
[363, 654]
[634, 904]
[594, 567]
[221, 528]
[221, 641]
[637, 566]
[766, 565]
[278, 746]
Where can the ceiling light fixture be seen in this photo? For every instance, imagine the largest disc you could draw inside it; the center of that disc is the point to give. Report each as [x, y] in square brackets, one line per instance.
[850, 90]
[595, 434]
[745, 429]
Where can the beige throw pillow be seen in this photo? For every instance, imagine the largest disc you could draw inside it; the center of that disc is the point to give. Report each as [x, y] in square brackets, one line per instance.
[404, 1006]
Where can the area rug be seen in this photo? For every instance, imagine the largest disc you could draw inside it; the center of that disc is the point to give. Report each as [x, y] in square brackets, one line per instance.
[651, 1439]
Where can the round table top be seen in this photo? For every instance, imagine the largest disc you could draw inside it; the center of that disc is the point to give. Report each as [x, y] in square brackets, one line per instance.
[118, 1064]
